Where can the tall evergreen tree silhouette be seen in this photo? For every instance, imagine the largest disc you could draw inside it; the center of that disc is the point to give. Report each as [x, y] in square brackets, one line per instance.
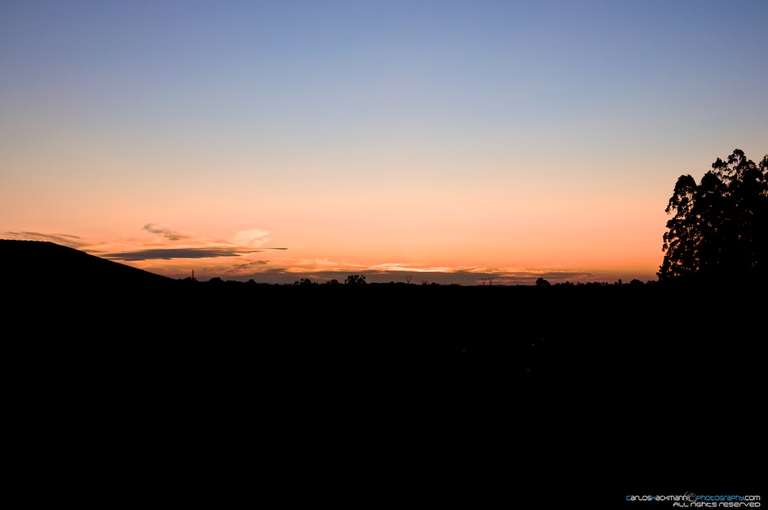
[719, 227]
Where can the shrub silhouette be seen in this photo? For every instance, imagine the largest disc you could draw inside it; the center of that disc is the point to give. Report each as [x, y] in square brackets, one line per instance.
[355, 279]
[719, 227]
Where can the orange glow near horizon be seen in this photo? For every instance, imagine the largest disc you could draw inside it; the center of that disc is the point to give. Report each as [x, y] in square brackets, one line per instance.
[408, 232]
[407, 140]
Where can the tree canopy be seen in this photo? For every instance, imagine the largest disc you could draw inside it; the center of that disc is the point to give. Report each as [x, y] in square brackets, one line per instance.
[719, 227]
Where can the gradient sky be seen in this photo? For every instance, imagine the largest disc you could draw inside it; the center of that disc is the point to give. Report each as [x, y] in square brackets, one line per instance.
[432, 140]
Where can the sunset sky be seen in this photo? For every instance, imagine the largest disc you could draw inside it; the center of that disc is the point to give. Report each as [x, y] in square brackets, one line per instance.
[451, 141]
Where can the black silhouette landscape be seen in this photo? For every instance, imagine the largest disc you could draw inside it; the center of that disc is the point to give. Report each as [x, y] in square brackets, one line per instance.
[673, 362]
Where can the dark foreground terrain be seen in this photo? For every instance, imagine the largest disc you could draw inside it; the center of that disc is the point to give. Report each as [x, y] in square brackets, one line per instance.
[595, 391]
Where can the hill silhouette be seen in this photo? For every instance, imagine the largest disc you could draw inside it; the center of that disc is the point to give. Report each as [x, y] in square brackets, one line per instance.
[51, 264]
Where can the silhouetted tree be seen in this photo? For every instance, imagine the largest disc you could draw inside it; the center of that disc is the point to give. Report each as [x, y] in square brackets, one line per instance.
[355, 279]
[541, 282]
[719, 227]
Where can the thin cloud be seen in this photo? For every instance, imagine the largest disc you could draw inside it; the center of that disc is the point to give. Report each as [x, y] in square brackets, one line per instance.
[556, 276]
[237, 268]
[167, 233]
[178, 253]
[251, 237]
[65, 239]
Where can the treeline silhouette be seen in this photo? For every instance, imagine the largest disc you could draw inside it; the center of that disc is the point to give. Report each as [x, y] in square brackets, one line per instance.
[719, 227]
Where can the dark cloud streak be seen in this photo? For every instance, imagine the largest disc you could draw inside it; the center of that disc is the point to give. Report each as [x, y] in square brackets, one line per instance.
[178, 253]
[241, 267]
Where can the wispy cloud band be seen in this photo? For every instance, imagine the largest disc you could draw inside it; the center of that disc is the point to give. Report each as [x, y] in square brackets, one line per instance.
[65, 239]
[167, 233]
[177, 253]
